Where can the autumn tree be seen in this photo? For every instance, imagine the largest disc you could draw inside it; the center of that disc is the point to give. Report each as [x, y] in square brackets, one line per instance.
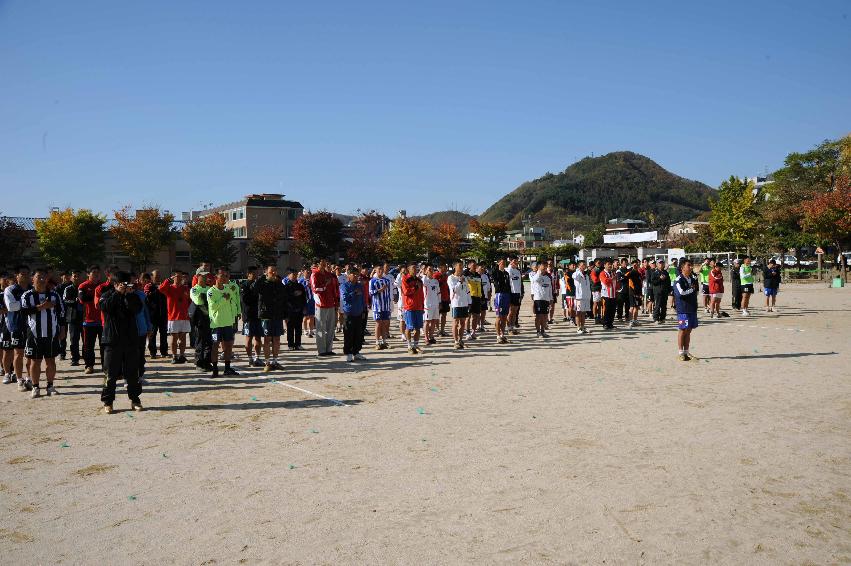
[446, 242]
[210, 240]
[317, 235]
[263, 247]
[734, 215]
[366, 241]
[828, 216]
[71, 239]
[487, 244]
[143, 233]
[408, 239]
[14, 240]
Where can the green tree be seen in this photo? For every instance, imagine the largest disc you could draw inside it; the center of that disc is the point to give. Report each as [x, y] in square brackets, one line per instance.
[143, 233]
[71, 239]
[827, 216]
[487, 244]
[317, 235]
[734, 218]
[263, 247]
[14, 240]
[408, 239]
[210, 240]
[594, 236]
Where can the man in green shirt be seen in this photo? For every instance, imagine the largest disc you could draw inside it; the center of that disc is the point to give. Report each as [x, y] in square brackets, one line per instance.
[201, 322]
[224, 306]
[746, 276]
[705, 268]
[673, 273]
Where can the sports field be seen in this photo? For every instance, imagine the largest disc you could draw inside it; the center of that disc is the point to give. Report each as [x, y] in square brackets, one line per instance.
[578, 449]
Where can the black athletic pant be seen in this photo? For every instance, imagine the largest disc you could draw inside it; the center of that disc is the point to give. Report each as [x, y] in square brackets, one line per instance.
[737, 297]
[294, 322]
[609, 314]
[90, 335]
[122, 360]
[203, 340]
[160, 327]
[363, 332]
[660, 305]
[74, 331]
[143, 339]
[352, 334]
[621, 301]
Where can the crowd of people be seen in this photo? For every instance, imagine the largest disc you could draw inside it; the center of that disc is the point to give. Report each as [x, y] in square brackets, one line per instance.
[129, 315]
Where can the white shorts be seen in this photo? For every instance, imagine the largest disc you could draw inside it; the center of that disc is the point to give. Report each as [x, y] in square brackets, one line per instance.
[595, 295]
[178, 326]
[717, 296]
[432, 313]
[583, 304]
[401, 314]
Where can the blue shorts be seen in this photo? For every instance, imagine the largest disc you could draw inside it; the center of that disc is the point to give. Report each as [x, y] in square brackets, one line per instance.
[310, 309]
[414, 320]
[460, 312]
[770, 292]
[501, 303]
[687, 321]
[380, 315]
[252, 328]
[273, 328]
[222, 334]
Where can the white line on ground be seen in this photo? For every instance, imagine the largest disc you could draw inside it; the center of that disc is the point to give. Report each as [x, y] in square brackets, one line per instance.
[338, 402]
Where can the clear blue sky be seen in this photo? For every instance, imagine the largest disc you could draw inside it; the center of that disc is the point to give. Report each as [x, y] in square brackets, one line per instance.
[389, 105]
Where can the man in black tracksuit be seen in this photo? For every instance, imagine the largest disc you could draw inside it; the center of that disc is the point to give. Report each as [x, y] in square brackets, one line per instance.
[158, 309]
[660, 284]
[119, 305]
[73, 316]
[296, 299]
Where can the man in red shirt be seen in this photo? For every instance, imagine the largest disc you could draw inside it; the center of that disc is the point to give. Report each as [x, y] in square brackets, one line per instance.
[414, 302]
[176, 293]
[323, 283]
[442, 277]
[92, 324]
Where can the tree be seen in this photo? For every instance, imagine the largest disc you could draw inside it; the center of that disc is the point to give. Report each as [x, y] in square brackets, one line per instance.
[366, 241]
[828, 216]
[486, 246]
[447, 241]
[14, 240]
[71, 239]
[407, 239]
[143, 234]
[263, 247]
[317, 235]
[210, 240]
[734, 215]
[594, 236]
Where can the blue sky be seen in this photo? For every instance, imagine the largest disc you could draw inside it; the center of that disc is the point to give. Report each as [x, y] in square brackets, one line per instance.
[427, 106]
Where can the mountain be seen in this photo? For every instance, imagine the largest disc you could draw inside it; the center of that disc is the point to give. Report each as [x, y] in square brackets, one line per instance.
[461, 220]
[622, 184]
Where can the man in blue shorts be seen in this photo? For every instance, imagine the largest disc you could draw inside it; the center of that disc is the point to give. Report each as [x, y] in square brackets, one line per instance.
[771, 284]
[685, 289]
[501, 281]
[381, 295]
[271, 307]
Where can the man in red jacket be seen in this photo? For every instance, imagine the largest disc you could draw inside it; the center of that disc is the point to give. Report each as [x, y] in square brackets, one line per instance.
[414, 301]
[176, 293]
[323, 283]
[92, 324]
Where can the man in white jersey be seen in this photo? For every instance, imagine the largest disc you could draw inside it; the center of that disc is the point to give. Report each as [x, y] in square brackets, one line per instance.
[431, 292]
[516, 295]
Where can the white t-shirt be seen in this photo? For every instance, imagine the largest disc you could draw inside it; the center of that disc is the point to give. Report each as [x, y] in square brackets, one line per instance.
[542, 287]
[486, 285]
[459, 291]
[431, 292]
[516, 279]
[583, 285]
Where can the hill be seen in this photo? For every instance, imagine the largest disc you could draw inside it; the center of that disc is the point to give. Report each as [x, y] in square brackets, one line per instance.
[461, 220]
[622, 184]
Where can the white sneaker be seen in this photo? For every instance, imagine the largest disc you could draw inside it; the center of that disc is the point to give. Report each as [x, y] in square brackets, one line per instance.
[360, 357]
[745, 312]
[7, 379]
[22, 385]
[350, 358]
[36, 393]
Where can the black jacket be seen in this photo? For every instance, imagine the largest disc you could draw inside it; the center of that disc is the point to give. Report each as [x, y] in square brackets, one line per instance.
[295, 298]
[271, 299]
[120, 312]
[660, 281]
[248, 297]
[501, 282]
[157, 305]
[73, 308]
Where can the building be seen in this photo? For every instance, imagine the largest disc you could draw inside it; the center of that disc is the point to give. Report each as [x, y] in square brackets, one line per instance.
[625, 226]
[248, 215]
[684, 228]
[530, 236]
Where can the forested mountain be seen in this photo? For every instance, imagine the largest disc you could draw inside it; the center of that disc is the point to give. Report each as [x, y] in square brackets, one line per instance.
[461, 220]
[621, 184]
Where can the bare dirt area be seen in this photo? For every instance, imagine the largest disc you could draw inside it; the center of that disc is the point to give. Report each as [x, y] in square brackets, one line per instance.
[576, 449]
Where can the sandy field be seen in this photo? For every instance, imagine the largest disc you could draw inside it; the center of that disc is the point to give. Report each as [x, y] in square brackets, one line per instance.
[575, 450]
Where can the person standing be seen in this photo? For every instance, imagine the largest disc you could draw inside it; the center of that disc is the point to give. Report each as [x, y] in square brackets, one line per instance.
[486, 296]
[352, 305]
[673, 273]
[414, 303]
[309, 324]
[92, 324]
[442, 276]
[771, 284]
[716, 289]
[705, 269]
[224, 306]
[607, 294]
[634, 294]
[736, 280]
[501, 301]
[73, 315]
[542, 294]
[272, 308]
[381, 291]
[295, 297]
[517, 293]
[176, 293]
[144, 327]
[582, 286]
[323, 284]
[474, 281]
[746, 277]
[431, 292]
[685, 293]
[44, 314]
[459, 297]
[158, 309]
[251, 328]
[200, 321]
[119, 305]
[596, 290]
[660, 284]
[64, 283]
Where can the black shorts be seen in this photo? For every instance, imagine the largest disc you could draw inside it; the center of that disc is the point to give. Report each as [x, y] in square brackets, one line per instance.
[705, 288]
[475, 305]
[41, 348]
[515, 299]
[541, 307]
[747, 289]
[12, 340]
[635, 300]
[444, 307]
[222, 334]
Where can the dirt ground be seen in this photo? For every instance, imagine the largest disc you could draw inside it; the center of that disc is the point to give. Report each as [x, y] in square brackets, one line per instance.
[579, 449]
